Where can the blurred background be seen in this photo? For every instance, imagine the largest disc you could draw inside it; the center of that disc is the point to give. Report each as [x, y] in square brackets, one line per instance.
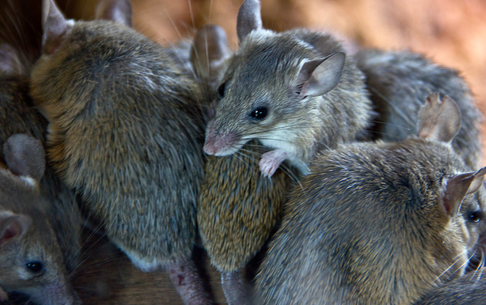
[450, 32]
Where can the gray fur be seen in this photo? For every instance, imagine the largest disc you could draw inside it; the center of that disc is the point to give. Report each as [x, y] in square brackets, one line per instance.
[123, 134]
[18, 115]
[399, 82]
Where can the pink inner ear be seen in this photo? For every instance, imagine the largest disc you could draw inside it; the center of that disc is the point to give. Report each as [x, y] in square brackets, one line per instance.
[12, 230]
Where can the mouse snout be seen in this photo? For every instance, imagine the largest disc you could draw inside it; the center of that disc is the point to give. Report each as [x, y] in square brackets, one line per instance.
[224, 145]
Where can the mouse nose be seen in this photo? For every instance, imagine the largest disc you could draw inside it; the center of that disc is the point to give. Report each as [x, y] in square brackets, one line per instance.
[209, 147]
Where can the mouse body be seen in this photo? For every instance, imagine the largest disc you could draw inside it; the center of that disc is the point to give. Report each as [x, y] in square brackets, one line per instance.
[31, 258]
[18, 115]
[238, 207]
[399, 82]
[123, 132]
[296, 92]
[378, 223]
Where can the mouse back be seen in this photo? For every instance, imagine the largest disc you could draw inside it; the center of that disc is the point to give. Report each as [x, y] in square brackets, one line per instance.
[400, 81]
[31, 261]
[376, 214]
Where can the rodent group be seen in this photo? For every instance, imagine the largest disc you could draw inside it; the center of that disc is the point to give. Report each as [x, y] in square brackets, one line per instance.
[359, 172]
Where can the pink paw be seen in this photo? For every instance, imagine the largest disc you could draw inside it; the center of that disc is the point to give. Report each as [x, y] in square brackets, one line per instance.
[271, 161]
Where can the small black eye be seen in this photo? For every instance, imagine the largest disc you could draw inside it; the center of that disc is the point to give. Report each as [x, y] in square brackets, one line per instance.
[221, 90]
[34, 267]
[474, 216]
[259, 113]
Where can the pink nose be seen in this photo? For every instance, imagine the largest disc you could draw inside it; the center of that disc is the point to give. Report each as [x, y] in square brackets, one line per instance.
[209, 148]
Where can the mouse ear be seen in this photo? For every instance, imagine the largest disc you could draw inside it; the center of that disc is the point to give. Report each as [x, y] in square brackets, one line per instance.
[439, 120]
[249, 18]
[319, 76]
[458, 187]
[55, 26]
[10, 62]
[115, 10]
[12, 226]
[209, 50]
[25, 156]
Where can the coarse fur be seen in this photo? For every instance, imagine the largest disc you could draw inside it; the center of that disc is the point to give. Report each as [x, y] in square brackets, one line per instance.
[399, 82]
[238, 208]
[466, 290]
[122, 133]
[27, 234]
[376, 223]
[18, 115]
[280, 71]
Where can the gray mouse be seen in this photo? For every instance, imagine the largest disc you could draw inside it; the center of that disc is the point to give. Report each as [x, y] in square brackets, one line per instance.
[399, 82]
[378, 223]
[238, 207]
[31, 259]
[296, 92]
[123, 132]
[17, 115]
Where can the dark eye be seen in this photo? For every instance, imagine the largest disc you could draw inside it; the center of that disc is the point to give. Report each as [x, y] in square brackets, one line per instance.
[259, 113]
[34, 267]
[474, 216]
[221, 90]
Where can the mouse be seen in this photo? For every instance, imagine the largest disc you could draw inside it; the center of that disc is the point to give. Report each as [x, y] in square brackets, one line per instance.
[238, 208]
[18, 115]
[296, 92]
[378, 222]
[31, 259]
[399, 82]
[124, 133]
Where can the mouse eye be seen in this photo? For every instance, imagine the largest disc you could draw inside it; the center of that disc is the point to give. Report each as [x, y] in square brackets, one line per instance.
[258, 113]
[221, 90]
[474, 216]
[34, 267]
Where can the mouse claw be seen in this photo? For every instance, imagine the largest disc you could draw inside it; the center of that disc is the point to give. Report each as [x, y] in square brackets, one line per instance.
[271, 161]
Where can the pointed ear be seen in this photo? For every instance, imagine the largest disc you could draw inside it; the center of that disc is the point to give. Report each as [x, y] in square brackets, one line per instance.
[115, 10]
[209, 50]
[9, 60]
[439, 120]
[25, 156]
[12, 226]
[317, 77]
[55, 26]
[249, 18]
[458, 187]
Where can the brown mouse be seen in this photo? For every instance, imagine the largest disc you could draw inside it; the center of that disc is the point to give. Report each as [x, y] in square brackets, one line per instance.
[378, 223]
[17, 115]
[399, 82]
[237, 207]
[31, 259]
[123, 132]
[296, 92]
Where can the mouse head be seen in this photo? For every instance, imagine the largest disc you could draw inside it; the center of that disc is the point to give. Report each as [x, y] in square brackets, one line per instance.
[269, 85]
[31, 260]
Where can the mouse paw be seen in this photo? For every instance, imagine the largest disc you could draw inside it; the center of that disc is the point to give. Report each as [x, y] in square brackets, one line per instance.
[271, 161]
[3, 295]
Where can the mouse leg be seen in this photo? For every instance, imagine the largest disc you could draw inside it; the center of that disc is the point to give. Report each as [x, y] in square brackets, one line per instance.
[271, 161]
[234, 288]
[3, 295]
[188, 283]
